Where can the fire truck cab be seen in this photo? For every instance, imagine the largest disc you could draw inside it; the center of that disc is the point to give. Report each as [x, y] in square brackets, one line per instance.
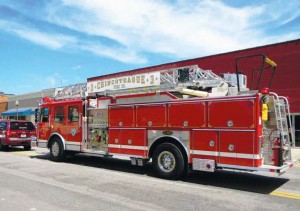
[181, 119]
[60, 122]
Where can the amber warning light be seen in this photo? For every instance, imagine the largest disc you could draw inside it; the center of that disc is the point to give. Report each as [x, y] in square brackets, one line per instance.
[264, 112]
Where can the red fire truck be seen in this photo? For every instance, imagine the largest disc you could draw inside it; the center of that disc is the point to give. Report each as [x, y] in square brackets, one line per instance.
[181, 119]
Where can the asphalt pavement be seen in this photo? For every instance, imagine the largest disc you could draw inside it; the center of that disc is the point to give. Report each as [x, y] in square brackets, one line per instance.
[30, 181]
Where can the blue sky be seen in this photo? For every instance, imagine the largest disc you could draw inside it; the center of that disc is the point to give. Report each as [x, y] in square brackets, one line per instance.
[49, 43]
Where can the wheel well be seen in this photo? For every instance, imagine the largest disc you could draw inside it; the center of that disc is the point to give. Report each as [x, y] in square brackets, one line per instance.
[52, 138]
[168, 140]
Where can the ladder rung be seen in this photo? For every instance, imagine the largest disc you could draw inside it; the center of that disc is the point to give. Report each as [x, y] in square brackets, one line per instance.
[281, 119]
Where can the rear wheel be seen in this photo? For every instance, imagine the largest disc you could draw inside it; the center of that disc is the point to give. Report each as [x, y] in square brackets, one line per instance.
[168, 161]
[27, 147]
[3, 147]
[57, 152]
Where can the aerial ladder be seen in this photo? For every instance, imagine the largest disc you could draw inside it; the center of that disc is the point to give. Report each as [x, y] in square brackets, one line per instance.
[187, 80]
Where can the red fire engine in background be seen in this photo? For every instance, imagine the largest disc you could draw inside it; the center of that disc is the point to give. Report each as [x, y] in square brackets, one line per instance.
[181, 119]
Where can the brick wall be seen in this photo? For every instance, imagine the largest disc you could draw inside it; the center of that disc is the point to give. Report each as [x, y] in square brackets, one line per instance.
[286, 80]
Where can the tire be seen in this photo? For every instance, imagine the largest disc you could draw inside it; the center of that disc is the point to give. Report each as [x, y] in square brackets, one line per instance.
[57, 152]
[168, 161]
[27, 147]
[3, 147]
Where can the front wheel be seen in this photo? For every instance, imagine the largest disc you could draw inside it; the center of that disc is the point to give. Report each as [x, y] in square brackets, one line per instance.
[27, 147]
[168, 161]
[57, 152]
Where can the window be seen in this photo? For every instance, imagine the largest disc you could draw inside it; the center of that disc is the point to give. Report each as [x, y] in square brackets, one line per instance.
[3, 125]
[73, 114]
[44, 114]
[22, 126]
[59, 114]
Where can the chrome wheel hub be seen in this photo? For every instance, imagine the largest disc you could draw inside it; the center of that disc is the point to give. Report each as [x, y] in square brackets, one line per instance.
[55, 149]
[166, 161]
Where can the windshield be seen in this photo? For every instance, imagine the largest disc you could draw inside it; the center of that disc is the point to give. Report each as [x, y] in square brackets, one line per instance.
[3, 125]
[22, 126]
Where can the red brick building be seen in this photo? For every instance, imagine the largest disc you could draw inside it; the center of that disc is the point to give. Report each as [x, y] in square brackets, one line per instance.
[3, 103]
[286, 79]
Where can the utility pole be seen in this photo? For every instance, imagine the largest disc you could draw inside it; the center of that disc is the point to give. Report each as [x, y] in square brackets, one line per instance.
[17, 105]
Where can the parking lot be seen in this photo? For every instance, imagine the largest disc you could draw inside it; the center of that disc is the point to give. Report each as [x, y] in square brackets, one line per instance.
[30, 181]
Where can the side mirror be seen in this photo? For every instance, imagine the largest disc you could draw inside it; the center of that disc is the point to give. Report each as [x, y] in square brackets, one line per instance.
[36, 115]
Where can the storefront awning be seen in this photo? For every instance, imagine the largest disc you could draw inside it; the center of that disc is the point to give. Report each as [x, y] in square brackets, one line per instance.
[18, 112]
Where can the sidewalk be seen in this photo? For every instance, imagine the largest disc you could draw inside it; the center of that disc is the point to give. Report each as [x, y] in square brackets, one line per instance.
[296, 153]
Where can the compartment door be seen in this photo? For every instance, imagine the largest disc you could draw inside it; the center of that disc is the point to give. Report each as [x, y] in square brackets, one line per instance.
[114, 140]
[228, 147]
[205, 145]
[238, 114]
[133, 142]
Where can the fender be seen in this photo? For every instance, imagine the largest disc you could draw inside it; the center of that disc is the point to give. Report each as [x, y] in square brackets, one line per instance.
[182, 137]
[61, 138]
